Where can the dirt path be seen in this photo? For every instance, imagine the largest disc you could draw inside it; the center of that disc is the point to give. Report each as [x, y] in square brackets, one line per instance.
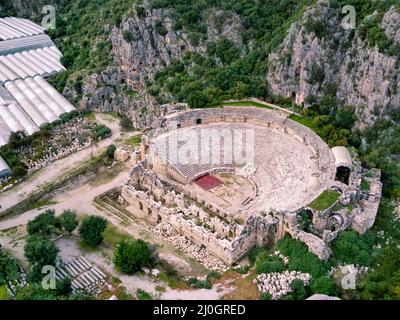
[57, 168]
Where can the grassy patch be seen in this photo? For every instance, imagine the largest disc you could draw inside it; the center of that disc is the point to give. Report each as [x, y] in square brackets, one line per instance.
[325, 200]
[123, 295]
[108, 175]
[133, 141]
[40, 204]
[365, 185]
[112, 235]
[245, 289]
[143, 295]
[247, 104]
[307, 122]
[90, 116]
[172, 282]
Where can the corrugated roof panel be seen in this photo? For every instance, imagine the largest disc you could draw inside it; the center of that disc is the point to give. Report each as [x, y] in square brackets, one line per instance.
[25, 23]
[45, 96]
[25, 103]
[25, 43]
[10, 120]
[15, 65]
[54, 52]
[5, 132]
[6, 72]
[6, 32]
[11, 28]
[27, 123]
[60, 99]
[41, 94]
[39, 66]
[49, 65]
[4, 168]
[36, 101]
[29, 63]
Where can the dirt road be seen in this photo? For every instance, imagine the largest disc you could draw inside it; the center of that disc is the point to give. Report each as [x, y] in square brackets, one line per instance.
[57, 168]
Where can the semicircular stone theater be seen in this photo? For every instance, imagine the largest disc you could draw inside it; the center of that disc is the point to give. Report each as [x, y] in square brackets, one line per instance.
[189, 174]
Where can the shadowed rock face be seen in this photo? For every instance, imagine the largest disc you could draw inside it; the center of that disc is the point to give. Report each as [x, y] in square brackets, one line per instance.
[31, 8]
[307, 66]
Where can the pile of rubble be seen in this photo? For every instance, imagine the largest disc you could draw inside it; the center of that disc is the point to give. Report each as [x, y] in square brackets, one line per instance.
[64, 140]
[278, 284]
[200, 254]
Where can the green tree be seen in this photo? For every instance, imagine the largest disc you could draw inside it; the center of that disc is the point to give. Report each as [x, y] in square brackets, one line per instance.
[299, 291]
[9, 269]
[44, 224]
[197, 99]
[111, 151]
[323, 285]
[68, 221]
[41, 251]
[349, 247]
[131, 255]
[91, 230]
[63, 287]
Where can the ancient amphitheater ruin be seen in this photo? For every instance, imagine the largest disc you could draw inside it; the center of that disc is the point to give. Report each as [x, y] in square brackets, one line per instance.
[228, 179]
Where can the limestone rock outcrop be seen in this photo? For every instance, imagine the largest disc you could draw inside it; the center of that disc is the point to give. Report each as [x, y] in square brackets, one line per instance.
[319, 57]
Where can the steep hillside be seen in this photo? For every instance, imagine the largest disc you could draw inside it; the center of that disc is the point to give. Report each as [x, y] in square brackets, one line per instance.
[358, 67]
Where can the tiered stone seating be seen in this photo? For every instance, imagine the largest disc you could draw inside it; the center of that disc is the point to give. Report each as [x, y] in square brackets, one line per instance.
[293, 165]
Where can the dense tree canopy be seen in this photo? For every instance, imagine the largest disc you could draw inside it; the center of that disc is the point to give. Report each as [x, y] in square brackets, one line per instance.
[131, 255]
[41, 251]
[68, 221]
[44, 224]
[91, 230]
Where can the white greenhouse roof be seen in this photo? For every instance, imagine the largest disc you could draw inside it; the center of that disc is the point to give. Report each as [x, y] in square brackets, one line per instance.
[34, 103]
[24, 64]
[4, 168]
[27, 100]
[11, 28]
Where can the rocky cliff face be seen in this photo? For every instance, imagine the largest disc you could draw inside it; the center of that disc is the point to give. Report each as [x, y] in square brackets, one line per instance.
[142, 45]
[319, 57]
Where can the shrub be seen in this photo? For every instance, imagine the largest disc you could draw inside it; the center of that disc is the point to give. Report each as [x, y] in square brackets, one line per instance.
[323, 285]
[299, 291]
[143, 295]
[349, 247]
[198, 284]
[40, 251]
[100, 132]
[91, 230]
[9, 269]
[127, 35]
[132, 255]
[268, 264]
[300, 259]
[44, 224]
[63, 287]
[111, 151]
[68, 221]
